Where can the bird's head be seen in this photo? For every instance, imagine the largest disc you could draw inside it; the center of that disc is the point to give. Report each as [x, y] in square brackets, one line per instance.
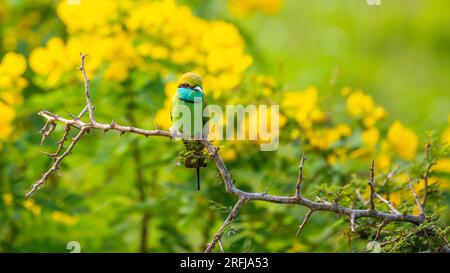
[192, 81]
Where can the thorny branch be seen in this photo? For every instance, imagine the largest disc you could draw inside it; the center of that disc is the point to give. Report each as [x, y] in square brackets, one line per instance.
[416, 198]
[372, 186]
[389, 204]
[230, 187]
[300, 228]
[234, 212]
[298, 188]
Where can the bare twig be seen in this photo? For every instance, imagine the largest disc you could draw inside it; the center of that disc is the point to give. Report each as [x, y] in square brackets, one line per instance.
[220, 245]
[234, 212]
[82, 112]
[372, 187]
[416, 198]
[352, 222]
[379, 228]
[300, 176]
[60, 143]
[47, 129]
[55, 166]
[308, 214]
[89, 104]
[389, 204]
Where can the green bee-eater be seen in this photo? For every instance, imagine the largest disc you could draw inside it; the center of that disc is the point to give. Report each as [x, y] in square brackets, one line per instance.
[190, 96]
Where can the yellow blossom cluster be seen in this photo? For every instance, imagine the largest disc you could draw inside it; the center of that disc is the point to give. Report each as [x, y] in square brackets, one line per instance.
[400, 196]
[157, 36]
[8, 199]
[30, 205]
[64, 218]
[303, 107]
[362, 106]
[96, 15]
[266, 84]
[58, 60]
[161, 36]
[446, 134]
[20, 31]
[174, 35]
[12, 67]
[402, 140]
[443, 164]
[323, 138]
[162, 118]
[257, 119]
[249, 7]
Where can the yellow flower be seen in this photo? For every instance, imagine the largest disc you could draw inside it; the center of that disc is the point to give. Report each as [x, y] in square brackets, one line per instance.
[295, 133]
[31, 206]
[370, 137]
[322, 139]
[8, 114]
[64, 218]
[403, 140]
[346, 91]
[13, 64]
[8, 199]
[303, 106]
[395, 198]
[11, 98]
[248, 7]
[442, 165]
[51, 61]
[361, 105]
[255, 121]
[444, 184]
[228, 154]
[162, 118]
[338, 155]
[344, 130]
[297, 247]
[446, 134]
[88, 15]
[383, 161]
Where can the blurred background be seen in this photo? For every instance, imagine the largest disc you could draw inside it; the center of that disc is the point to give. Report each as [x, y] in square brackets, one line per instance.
[354, 82]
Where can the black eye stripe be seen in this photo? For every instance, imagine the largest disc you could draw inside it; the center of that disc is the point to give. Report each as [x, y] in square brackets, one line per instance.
[184, 85]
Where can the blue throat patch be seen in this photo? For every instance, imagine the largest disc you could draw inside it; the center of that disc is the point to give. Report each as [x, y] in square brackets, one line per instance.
[188, 94]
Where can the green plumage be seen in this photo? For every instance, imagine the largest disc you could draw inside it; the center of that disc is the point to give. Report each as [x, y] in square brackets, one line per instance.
[190, 95]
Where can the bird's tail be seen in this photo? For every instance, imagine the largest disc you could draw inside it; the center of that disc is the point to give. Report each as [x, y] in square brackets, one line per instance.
[195, 159]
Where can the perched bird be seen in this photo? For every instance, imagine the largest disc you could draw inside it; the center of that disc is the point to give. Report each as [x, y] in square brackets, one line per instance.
[190, 92]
